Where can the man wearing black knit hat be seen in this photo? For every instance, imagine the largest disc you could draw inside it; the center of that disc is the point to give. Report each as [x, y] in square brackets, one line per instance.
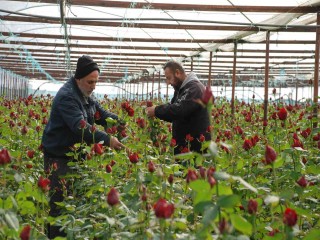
[72, 116]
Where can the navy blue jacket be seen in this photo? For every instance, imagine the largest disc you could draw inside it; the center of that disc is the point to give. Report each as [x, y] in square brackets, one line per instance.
[69, 107]
[187, 116]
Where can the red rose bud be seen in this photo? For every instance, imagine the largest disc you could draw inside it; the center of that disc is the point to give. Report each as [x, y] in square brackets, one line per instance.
[247, 144]
[173, 142]
[97, 148]
[282, 114]
[302, 182]
[4, 157]
[44, 184]
[207, 96]
[108, 168]
[112, 163]
[97, 115]
[270, 154]
[189, 138]
[210, 171]
[202, 172]
[290, 217]
[113, 197]
[24, 130]
[191, 176]
[30, 154]
[202, 138]
[163, 209]
[151, 167]
[170, 179]
[83, 124]
[25, 233]
[252, 206]
[149, 104]
[211, 181]
[130, 112]
[134, 158]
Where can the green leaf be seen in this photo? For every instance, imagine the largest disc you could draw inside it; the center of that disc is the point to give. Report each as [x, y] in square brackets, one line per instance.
[201, 207]
[12, 220]
[228, 201]
[241, 224]
[313, 234]
[27, 207]
[210, 215]
[279, 162]
[200, 185]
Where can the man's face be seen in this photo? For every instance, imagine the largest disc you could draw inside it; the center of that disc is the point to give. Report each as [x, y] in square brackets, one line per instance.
[88, 83]
[175, 79]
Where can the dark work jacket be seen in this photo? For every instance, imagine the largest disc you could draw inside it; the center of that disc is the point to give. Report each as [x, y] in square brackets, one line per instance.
[69, 107]
[187, 116]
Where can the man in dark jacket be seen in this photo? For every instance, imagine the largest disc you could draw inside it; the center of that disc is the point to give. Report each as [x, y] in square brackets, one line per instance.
[188, 117]
[72, 115]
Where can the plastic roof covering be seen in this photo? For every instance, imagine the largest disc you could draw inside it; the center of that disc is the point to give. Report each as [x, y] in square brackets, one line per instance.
[121, 59]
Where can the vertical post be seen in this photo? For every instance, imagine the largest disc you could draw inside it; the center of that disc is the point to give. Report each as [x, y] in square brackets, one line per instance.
[266, 79]
[142, 92]
[234, 76]
[297, 92]
[210, 62]
[191, 64]
[147, 79]
[152, 86]
[316, 73]
[159, 91]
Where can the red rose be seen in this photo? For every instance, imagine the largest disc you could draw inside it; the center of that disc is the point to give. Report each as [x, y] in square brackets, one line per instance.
[113, 197]
[211, 181]
[83, 124]
[191, 176]
[4, 157]
[30, 153]
[207, 96]
[290, 217]
[282, 114]
[173, 142]
[170, 178]
[149, 104]
[270, 154]
[189, 138]
[302, 181]
[252, 206]
[163, 209]
[97, 148]
[108, 168]
[134, 157]
[202, 138]
[247, 144]
[44, 184]
[25, 233]
[97, 115]
[151, 167]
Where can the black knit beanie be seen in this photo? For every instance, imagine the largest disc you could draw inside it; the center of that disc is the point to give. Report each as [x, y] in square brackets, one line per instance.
[85, 65]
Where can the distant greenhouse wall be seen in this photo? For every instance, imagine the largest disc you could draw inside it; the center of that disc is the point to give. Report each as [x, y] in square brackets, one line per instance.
[13, 85]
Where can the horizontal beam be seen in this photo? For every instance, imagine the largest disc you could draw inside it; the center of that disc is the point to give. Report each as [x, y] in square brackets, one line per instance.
[188, 7]
[160, 25]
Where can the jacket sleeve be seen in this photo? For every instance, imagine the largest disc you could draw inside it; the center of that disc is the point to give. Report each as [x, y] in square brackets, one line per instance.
[72, 115]
[183, 107]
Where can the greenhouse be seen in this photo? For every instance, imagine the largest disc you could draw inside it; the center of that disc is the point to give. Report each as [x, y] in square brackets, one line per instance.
[154, 119]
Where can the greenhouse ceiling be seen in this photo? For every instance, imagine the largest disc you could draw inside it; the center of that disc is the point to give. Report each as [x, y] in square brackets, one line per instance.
[131, 40]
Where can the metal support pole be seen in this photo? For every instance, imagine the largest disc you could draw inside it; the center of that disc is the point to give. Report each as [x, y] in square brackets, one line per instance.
[316, 73]
[210, 62]
[234, 77]
[266, 79]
